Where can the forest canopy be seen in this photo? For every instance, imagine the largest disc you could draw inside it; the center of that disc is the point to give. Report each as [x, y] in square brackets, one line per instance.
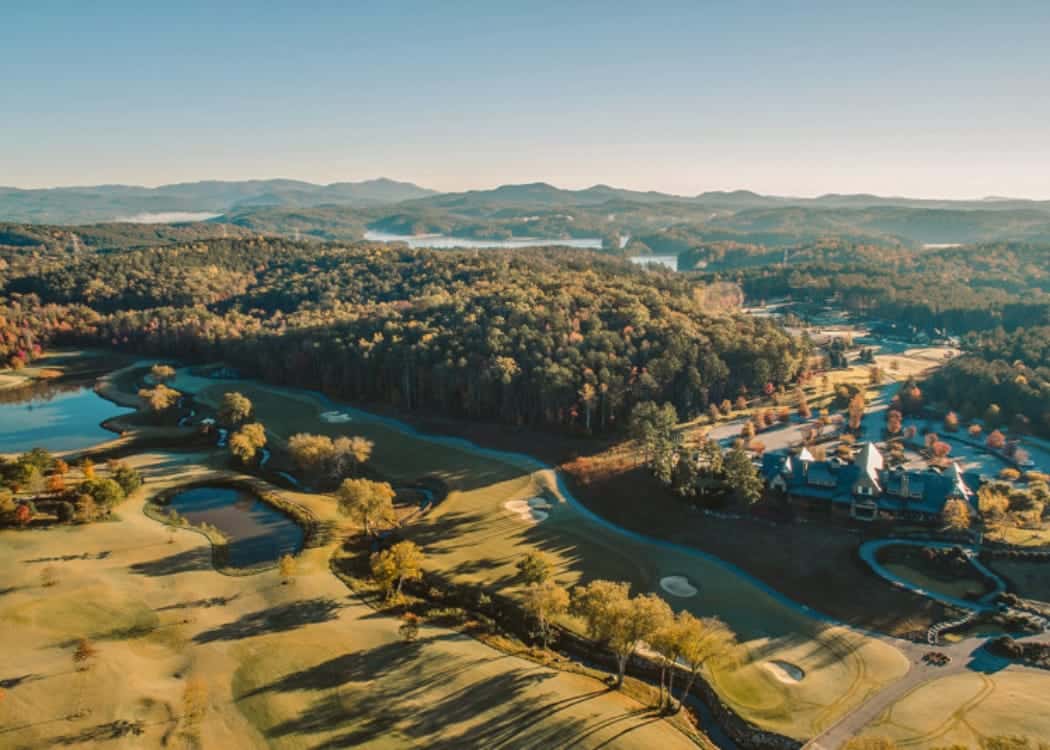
[544, 337]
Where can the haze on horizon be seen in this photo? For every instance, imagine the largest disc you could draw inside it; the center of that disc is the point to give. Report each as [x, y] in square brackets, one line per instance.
[933, 100]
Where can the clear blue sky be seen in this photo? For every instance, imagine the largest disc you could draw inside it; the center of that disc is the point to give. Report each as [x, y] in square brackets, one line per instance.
[948, 99]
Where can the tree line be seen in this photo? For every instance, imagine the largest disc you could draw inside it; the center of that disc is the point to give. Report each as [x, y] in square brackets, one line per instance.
[547, 338]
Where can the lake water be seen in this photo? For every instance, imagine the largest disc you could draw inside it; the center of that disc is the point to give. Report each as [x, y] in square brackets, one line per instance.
[56, 420]
[445, 242]
[258, 533]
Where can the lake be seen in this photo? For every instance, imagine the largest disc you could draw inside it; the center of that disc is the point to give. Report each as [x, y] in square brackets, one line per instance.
[257, 532]
[55, 419]
[443, 241]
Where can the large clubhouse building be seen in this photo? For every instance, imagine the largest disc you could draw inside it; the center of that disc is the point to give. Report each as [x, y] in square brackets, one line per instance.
[865, 488]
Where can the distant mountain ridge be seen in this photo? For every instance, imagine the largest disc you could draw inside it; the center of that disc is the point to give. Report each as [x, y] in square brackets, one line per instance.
[112, 203]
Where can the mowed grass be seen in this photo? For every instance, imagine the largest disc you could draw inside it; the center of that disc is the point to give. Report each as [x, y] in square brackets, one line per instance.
[471, 537]
[966, 708]
[301, 665]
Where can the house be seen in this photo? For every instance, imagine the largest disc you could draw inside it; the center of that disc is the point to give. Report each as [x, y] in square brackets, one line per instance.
[866, 489]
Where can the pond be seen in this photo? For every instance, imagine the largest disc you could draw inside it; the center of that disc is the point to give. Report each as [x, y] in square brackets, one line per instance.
[258, 533]
[59, 420]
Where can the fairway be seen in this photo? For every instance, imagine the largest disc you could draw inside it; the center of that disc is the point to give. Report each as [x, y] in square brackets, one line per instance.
[301, 665]
[470, 536]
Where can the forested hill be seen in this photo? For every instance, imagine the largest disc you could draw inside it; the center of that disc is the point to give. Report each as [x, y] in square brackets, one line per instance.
[564, 339]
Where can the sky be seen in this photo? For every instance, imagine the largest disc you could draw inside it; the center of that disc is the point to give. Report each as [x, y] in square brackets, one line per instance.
[947, 99]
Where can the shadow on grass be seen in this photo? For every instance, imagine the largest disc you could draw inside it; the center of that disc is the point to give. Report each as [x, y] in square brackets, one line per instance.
[274, 620]
[215, 601]
[181, 562]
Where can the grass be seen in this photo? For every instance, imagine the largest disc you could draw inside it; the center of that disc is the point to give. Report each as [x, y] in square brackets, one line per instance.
[470, 538]
[1028, 579]
[288, 666]
[908, 562]
[966, 708]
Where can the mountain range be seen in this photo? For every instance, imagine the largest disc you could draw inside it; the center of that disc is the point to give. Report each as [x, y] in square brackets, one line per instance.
[653, 220]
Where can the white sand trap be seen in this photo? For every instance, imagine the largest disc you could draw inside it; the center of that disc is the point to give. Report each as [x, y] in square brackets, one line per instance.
[335, 417]
[678, 586]
[526, 511]
[785, 671]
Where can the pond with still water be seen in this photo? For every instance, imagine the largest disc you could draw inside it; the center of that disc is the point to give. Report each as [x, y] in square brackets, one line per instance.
[58, 420]
[257, 533]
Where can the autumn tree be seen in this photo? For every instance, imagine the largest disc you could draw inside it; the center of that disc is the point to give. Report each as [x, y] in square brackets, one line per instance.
[368, 503]
[392, 567]
[534, 567]
[700, 640]
[235, 408]
[617, 620]
[286, 568]
[956, 515]
[995, 440]
[162, 373]
[311, 452]
[159, 398]
[349, 454]
[543, 602]
[246, 442]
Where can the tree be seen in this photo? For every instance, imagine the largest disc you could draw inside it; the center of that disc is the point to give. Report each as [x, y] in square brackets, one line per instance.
[951, 421]
[534, 568]
[86, 508]
[409, 629]
[159, 398]
[311, 452]
[700, 640]
[366, 502]
[956, 515]
[162, 373]
[995, 440]
[65, 512]
[543, 602]
[235, 408]
[617, 620]
[587, 394]
[87, 468]
[241, 447]
[392, 567]
[652, 426]
[23, 514]
[246, 442]
[349, 454]
[992, 502]
[742, 476]
[105, 492]
[286, 568]
[123, 474]
[856, 411]
[893, 421]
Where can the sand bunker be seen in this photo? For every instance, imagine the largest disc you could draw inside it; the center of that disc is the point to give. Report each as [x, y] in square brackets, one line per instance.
[532, 510]
[678, 586]
[785, 671]
[335, 417]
